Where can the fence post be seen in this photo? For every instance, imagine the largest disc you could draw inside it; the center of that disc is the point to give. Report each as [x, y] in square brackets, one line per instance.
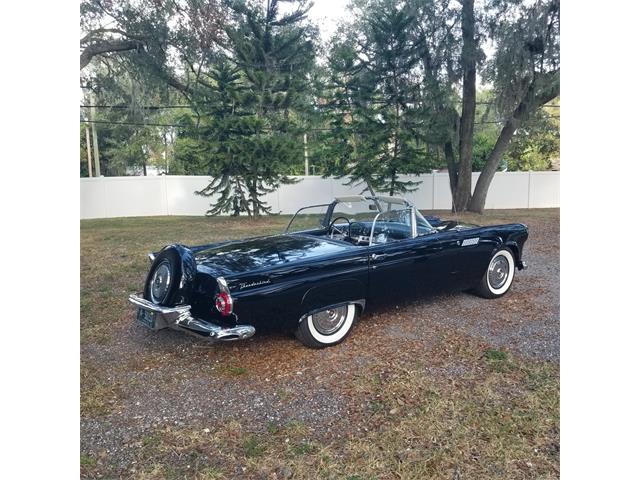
[166, 196]
[103, 182]
[433, 191]
[529, 191]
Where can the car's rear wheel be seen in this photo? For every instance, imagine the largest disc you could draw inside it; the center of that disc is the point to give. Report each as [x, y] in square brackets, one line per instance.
[327, 327]
[499, 275]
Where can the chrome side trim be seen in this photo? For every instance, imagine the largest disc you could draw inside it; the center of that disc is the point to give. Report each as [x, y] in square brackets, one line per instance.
[180, 318]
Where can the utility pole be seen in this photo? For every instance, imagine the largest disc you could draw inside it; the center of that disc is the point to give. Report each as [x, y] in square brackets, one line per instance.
[166, 152]
[306, 156]
[96, 152]
[86, 131]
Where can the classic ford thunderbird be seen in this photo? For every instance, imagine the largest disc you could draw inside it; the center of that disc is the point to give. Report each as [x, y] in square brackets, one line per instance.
[318, 276]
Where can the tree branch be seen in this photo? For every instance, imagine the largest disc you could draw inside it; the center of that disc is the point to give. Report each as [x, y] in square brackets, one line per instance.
[106, 46]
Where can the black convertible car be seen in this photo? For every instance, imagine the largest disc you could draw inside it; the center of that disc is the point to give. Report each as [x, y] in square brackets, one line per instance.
[316, 277]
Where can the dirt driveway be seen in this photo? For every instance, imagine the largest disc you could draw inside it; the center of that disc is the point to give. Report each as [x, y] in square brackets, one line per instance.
[452, 386]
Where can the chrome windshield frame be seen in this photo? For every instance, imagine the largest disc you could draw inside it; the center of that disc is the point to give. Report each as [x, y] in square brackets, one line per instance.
[330, 207]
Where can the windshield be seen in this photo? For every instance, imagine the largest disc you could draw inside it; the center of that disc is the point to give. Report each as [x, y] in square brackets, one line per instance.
[308, 218]
[361, 214]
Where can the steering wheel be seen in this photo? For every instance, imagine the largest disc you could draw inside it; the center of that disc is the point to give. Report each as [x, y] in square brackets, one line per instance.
[357, 227]
[332, 227]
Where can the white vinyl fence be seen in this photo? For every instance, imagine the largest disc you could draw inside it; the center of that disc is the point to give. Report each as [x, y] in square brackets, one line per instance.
[107, 197]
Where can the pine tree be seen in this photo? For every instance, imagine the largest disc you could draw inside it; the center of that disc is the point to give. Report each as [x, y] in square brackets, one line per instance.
[251, 131]
[219, 141]
[373, 107]
[393, 55]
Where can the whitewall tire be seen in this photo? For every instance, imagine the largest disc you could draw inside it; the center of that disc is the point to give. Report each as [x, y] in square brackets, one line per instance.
[499, 275]
[327, 327]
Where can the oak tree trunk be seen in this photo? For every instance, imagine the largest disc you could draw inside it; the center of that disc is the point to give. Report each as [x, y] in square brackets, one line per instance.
[484, 181]
[451, 166]
[462, 193]
[531, 102]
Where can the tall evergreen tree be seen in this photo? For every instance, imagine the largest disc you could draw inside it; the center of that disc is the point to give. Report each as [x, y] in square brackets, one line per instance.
[352, 138]
[255, 136]
[374, 102]
[393, 57]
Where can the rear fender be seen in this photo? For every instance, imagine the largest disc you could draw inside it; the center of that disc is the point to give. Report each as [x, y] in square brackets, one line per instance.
[187, 280]
[332, 294]
[515, 242]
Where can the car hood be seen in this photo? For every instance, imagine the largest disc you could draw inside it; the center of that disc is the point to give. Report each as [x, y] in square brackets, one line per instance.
[263, 253]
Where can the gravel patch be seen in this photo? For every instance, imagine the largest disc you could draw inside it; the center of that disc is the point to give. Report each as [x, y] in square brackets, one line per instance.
[171, 379]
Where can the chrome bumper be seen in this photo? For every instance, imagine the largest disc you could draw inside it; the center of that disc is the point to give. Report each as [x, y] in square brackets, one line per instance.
[522, 265]
[180, 318]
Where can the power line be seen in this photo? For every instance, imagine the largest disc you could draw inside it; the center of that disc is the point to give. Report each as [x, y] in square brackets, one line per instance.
[108, 122]
[163, 107]
[134, 124]
[144, 107]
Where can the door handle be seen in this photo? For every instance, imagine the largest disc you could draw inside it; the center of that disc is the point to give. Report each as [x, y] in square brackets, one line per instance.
[378, 256]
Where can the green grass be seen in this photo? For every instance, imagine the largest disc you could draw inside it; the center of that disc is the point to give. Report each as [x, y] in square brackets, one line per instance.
[303, 448]
[87, 461]
[253, 447]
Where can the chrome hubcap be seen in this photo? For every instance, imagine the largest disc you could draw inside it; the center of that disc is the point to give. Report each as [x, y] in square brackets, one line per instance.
[329, 321]
[160, 282]
[498, 272]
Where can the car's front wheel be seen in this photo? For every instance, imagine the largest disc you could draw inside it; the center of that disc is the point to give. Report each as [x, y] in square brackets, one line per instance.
[327, 327]
[499, 275]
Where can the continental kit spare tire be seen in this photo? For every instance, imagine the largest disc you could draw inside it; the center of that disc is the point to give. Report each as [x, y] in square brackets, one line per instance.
[171, 276]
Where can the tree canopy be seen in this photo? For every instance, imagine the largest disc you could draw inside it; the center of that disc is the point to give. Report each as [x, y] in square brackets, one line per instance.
[245, 91]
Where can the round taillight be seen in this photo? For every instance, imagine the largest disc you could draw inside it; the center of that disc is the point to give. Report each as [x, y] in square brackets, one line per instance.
[224, 303]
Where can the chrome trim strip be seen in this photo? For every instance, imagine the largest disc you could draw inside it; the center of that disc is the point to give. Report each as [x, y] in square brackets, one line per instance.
[180, 318]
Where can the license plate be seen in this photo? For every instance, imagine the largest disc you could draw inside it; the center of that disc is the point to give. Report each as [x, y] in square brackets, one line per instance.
[147, 318]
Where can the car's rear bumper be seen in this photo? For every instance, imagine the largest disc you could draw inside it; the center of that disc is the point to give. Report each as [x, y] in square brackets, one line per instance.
[180, 318]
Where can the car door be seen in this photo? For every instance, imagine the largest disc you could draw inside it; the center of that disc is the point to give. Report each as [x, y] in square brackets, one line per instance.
[431, 262]
[391, 269]
[458, 259]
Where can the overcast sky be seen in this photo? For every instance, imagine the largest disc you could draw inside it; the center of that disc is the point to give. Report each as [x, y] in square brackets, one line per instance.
[326, 14]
